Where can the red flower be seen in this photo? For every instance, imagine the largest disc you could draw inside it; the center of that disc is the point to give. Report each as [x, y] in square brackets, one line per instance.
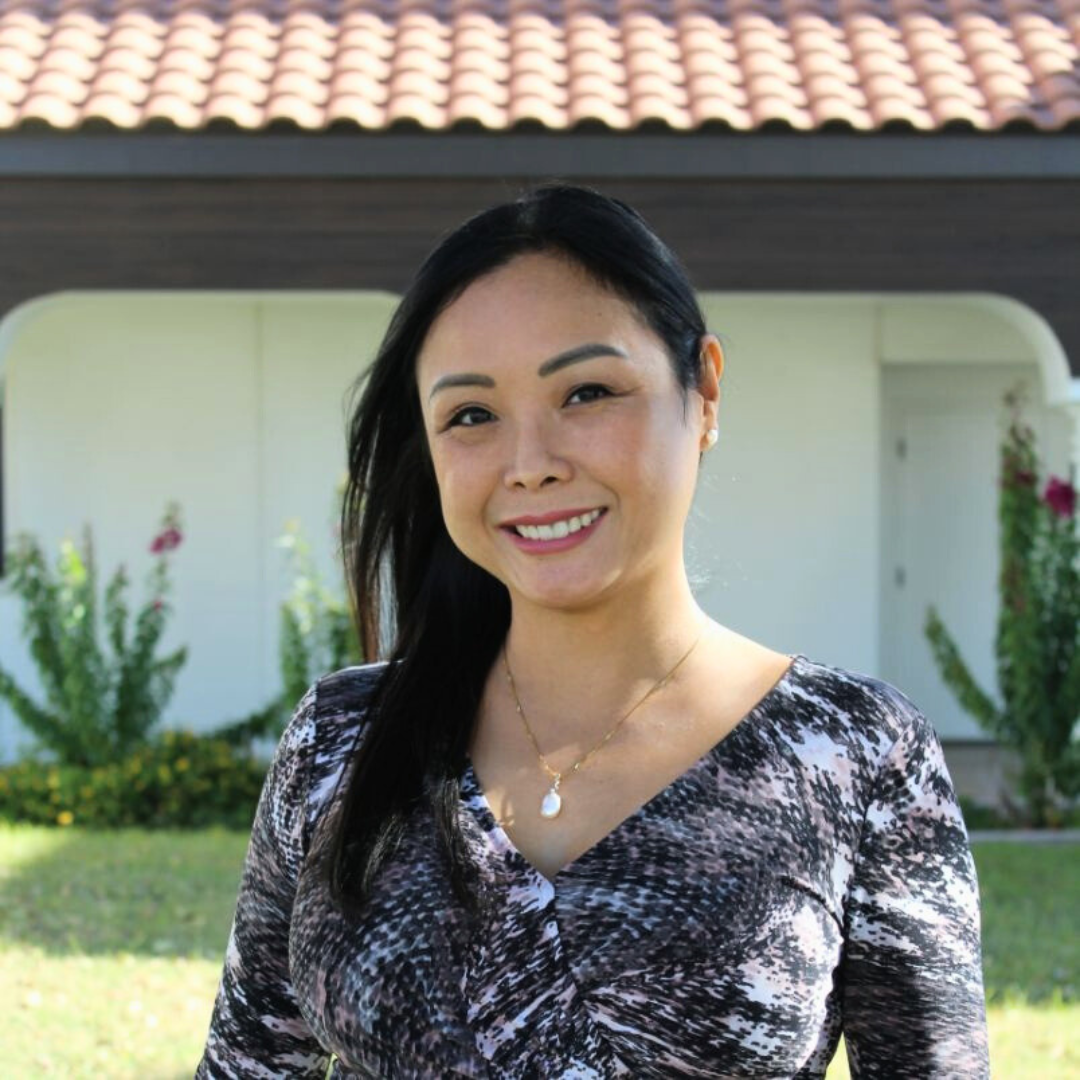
[1060, 496]
[166, 541]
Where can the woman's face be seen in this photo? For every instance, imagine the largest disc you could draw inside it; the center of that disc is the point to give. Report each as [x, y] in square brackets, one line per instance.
[550, 406]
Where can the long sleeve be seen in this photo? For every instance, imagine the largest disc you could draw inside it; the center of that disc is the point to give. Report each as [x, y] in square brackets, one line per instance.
[913, 998]
[256, 1030]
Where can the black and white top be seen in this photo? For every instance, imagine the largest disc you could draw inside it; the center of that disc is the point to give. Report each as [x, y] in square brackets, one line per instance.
[809, 876]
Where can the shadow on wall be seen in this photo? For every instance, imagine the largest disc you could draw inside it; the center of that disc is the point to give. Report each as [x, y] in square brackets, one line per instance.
[981, 771]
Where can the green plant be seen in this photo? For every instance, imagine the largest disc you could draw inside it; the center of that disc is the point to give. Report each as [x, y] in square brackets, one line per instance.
[977, 816]
[175, 780]
[1038, 630]
[96, 706]
[317, 634]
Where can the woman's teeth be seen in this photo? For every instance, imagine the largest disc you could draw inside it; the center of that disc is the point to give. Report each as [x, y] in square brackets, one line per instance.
[557, 529]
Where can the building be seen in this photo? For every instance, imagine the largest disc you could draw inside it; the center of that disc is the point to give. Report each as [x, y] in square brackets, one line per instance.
[208, 208]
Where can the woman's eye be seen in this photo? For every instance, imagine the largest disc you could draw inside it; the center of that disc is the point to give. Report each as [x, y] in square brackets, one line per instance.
[467, 417]
[476, 415]
[590, 392]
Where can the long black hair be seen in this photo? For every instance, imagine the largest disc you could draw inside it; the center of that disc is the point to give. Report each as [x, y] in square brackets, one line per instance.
[438, 618]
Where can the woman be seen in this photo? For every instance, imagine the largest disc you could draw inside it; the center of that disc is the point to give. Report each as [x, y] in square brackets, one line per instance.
[574, 827]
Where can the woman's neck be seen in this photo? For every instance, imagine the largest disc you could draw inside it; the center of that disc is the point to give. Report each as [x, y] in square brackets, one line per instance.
[603, 659]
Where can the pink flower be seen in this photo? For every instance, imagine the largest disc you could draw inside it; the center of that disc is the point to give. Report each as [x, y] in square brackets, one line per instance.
[166, 541]
[1060, 496]
[157, 605]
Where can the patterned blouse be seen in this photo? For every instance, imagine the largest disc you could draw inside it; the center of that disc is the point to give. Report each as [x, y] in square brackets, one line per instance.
[809, 876]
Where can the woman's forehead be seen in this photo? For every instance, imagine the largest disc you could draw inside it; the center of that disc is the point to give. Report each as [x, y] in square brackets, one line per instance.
[533, 283]
[537, 304]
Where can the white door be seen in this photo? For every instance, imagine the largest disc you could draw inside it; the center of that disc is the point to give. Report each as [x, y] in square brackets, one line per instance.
[942, 427]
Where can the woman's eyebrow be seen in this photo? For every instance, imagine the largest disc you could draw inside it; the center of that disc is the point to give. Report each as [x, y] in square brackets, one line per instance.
[548, 367]
[580, 352]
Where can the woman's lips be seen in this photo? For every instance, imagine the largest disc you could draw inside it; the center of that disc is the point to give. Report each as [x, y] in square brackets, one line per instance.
[560, 543]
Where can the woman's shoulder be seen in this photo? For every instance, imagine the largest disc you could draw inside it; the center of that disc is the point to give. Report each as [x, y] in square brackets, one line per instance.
[331, 708]
[343, 695]
[337, 716]
[320, 738]
[855, 707]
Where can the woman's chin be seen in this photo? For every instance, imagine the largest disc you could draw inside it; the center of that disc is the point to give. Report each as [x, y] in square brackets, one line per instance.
[566, 595]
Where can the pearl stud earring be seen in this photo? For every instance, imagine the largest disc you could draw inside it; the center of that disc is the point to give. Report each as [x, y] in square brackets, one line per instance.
[710, 437]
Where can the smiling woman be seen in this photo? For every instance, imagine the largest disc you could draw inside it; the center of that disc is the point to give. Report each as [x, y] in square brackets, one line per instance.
[571, 826]
[577, 412]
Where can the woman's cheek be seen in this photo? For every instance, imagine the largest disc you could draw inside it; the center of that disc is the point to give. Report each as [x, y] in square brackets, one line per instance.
[464, 502]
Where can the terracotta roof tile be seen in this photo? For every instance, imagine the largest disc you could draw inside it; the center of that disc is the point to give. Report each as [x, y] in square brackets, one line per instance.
[620, 64]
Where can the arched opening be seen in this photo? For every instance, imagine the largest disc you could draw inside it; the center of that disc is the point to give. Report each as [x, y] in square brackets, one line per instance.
[849, 423]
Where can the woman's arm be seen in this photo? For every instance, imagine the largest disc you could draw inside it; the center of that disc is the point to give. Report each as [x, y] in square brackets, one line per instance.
[256, 1030]
[912, 980]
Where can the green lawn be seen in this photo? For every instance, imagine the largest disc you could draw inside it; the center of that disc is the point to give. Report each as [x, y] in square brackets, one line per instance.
[111, 947]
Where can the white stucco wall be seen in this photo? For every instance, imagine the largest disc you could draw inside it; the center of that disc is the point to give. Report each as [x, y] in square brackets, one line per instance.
[785, 527]
[234, 405]
[231, 404]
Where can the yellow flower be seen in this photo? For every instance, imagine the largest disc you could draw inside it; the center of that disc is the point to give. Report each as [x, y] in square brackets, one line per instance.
[54, 779]
[182, 764]
[65, 817]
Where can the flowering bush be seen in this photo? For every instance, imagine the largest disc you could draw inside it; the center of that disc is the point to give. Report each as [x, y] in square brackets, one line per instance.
[175, 780]
[1038, 632]
[100, 712]
[97, 708]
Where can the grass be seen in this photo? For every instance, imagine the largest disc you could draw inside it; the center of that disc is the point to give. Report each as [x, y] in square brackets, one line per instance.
[1030, 897]
[111, 947]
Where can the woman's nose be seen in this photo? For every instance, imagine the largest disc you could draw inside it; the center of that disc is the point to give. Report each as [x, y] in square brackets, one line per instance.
[534, 460]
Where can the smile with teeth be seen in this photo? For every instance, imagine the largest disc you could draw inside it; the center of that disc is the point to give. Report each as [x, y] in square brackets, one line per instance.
[557, 529]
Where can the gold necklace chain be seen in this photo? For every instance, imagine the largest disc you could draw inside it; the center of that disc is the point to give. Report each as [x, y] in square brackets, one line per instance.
[552, 801]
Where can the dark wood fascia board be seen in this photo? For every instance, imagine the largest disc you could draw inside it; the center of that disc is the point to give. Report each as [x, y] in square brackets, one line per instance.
[651, 155]
[1015, 238]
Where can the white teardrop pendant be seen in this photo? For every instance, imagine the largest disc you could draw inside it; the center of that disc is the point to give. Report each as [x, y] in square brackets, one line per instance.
[552, 801]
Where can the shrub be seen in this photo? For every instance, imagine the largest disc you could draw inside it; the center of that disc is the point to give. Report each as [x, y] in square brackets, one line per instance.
[317, 633]
[176, 780]
[97, 706]
[1038, 631]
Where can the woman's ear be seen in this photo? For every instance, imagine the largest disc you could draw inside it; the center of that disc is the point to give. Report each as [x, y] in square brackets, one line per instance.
[712, 369]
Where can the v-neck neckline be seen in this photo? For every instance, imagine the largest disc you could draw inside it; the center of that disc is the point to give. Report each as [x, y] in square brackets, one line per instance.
[492, 825]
